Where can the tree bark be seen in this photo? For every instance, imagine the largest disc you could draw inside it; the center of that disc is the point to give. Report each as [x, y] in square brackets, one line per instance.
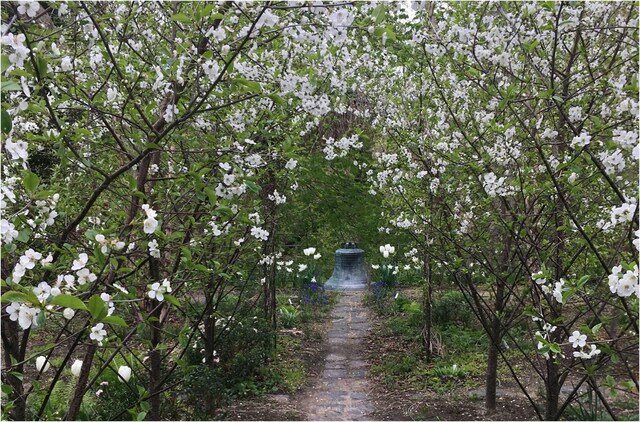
[74, 407]
[11, 345]
[553, 391]
[491, 380]
[426, 307]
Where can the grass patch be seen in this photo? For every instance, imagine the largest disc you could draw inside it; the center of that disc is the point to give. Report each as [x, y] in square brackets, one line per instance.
[461, 362]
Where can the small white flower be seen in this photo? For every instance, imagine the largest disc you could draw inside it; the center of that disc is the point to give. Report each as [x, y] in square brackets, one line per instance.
[79, 263]
[112, 93]
[157, 290]
[29, 8]
[84, 276]
[228, 179]
[309, 251]
[259, 233]
[42, 364]
[150, 224]
[153, 249]
[317, 256]
[302, 267]
[76, 367]
[386, 250]
[68, 313]
[578, 340]
[291, 164]
[98, 333]
[124, 373]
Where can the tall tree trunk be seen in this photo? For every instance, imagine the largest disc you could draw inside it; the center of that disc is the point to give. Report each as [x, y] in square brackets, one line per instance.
[491, 379]
[269, 249]
[552, 390]
[155, 357]
[81, 386]
[11, 341]
[427, 323]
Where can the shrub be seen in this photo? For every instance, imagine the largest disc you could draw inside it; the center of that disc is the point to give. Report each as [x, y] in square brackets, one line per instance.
[451, 307]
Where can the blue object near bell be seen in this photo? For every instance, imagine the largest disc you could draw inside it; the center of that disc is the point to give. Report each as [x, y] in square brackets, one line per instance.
[349, 271]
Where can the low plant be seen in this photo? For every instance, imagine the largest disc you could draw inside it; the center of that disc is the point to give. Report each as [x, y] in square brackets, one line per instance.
[313, 293]
[451, 372]
[586, 407]
[289, 316]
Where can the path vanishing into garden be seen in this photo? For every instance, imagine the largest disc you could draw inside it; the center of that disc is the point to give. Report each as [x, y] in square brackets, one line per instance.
[342, 390]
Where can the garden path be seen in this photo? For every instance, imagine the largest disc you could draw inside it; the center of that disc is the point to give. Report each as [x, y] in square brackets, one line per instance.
[342, 391]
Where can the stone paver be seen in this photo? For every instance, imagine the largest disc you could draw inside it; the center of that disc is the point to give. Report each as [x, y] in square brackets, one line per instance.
[342, 391]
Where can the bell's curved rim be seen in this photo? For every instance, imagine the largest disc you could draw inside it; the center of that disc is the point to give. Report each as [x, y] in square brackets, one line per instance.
[349, 251]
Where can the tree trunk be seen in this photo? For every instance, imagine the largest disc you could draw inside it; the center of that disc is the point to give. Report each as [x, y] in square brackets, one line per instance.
[553, 391]
[495, 334]
[492, 357]
[154, 354]
[426, 307]
[11, 345]
[81, 386]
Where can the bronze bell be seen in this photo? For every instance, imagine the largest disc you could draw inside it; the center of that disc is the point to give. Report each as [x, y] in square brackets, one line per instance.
[349, 271]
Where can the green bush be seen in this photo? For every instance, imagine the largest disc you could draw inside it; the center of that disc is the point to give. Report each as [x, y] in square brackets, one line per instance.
[451, 307]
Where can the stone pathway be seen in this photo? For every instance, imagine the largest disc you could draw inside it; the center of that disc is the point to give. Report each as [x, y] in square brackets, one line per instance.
[342, 391]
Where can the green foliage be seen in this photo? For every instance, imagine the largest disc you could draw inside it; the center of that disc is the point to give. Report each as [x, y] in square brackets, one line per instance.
[451, 308]
[445, 372]
[289, 316]
[586, 406]
[112, 396]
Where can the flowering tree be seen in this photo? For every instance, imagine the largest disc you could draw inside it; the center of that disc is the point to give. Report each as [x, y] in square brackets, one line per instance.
[146, 148]
[515, 168]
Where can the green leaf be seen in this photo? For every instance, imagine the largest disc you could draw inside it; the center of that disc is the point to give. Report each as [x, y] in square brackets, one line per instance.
[97, 308]
[30, 181]
[583, 280]
[13, 296]
[5, 120]
[391, 35]
[253, 186]
[41, 64]
[91, 234]
[595, 328]
[224, 211]
[172, 300]
[68, 301]
[41, 318]
[211, 194]
[18, 375]
[114, 320]
[180, 17]
[252, 86]
[141, 416]
[277, 99]
[379, 14]
[10, 86]
[554, 347]
[24, 234]
[5, 64]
